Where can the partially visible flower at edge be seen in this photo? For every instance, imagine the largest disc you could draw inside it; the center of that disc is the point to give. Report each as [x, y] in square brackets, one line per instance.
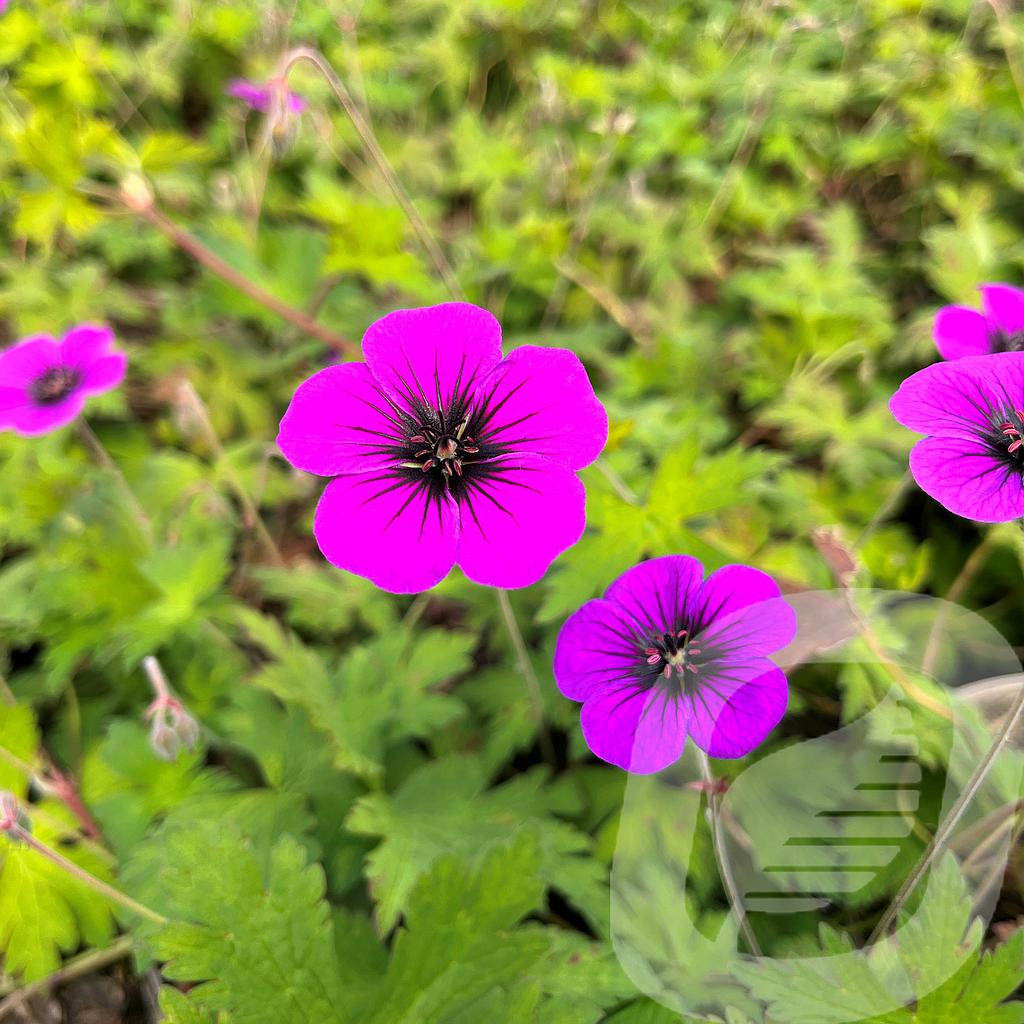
[961, 331]
[972, 462]
[665, 655]
[44, 382]
[260, 96]
[445, 453]
[3, 6]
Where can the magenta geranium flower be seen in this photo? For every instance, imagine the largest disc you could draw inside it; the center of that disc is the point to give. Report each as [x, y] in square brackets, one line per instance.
[998, 326]
[664, 655]
[445, 453]
[973, 410]
[44, 382]
[260, 96]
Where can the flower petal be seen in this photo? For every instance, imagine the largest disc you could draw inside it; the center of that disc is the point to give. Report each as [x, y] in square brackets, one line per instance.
[382, 526]
[735, 706]
[640, 731]
[340, 421]
[104, 374]
[964, 476]
[256, 95]
[518, 515]
[656, 594]
[960, 398]
[595, 649]
[742, 609]
[540, 400]
[960, 331]
[84, 345]
[425, 356]
[28, 360]
[1004, 306]
[33, 420]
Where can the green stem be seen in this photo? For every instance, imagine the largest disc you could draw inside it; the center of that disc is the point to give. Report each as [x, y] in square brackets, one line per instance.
[249, 508]
[102, 458]
[369, 140]
[18, 833]
[732, 891]
[940, 841]
[530, 679]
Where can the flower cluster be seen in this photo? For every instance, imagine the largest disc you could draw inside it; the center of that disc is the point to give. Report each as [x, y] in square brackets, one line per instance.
[972, 409]
[444, 452]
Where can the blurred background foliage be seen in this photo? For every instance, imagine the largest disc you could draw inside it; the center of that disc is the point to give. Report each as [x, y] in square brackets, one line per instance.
[741, 214]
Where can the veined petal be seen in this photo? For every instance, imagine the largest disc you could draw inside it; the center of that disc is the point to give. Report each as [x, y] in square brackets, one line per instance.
[428, 356]
[341, 421]
[966, 477]
[596, 648]
[518, 515]
[742, 609]
[639, 731]
[540, 400]
[735, 706]
[389, 529]
[84, 345]
[657, 594]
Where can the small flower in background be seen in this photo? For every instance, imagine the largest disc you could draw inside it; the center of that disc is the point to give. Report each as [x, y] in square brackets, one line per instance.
[664, 655]
[998, 326]
[972, 462]
[172, 728]
[261, 97]
[445, 453]
[44, 383]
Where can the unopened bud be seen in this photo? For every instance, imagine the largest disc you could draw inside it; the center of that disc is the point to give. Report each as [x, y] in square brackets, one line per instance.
[136, 193]
[164, 740]
[185, 727]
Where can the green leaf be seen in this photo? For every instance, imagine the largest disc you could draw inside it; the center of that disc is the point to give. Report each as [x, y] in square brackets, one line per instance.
[263, 948]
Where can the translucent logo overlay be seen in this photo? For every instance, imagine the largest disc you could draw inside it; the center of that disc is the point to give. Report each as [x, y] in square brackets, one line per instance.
[819, 834]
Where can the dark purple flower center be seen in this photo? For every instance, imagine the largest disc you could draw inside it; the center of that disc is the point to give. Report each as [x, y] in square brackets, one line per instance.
[672, 657]
[1002, 341]
[1010, 440]
[54, 385]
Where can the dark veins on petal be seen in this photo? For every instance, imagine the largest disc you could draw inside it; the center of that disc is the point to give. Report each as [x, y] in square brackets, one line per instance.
[448, 446]
[54, 385]
[683, 649]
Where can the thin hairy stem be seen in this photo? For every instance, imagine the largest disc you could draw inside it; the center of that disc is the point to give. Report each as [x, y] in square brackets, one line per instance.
[724, 865]
[964, 578]
[17, 832]
[77, 967]
[102, 458]
[940, 841]
[377, 155]
[139, 201]
[250, 510]
[530, 679]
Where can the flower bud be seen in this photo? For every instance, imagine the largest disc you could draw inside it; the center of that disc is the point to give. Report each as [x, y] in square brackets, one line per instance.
[164, 740]
[186, 728]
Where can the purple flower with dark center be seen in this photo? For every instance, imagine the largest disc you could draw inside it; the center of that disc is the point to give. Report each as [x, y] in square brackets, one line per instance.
[973, 410]
[998, 326]
[665, 655]
[44, 382]
[445, 453]
[261, 96]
